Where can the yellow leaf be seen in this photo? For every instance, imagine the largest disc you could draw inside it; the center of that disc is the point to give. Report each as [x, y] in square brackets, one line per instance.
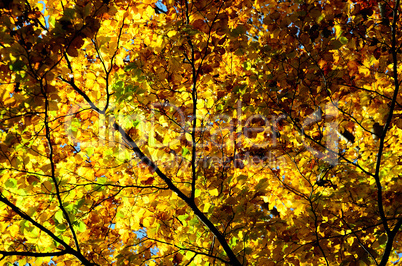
[214, 192]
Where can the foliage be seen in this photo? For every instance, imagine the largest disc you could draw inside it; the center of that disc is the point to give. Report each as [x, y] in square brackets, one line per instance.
[200, 133]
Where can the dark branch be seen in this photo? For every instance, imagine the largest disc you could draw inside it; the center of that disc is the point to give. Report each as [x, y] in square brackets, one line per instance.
[33, 254]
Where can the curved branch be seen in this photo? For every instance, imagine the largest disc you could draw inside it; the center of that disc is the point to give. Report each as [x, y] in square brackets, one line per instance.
[390, 242]
[144, 159]
[316, 233]
[80, 92]
[388, 123]
[358, 239]
[53, 169]
[391, 234]
[25, 216]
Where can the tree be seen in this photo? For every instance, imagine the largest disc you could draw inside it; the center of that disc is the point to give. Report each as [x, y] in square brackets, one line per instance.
[200, 133]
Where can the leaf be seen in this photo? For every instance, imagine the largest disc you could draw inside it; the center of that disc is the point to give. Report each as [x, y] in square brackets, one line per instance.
[59, 216]
[336, 44]
[61, 228]
[90, 151]
[17, 65]
[185, 151]
[262, 184]
[239, 30]
[81, 227]
[193, 221]
[382, 240]
[149, 181]
[136, 123]
[247, 65]
[52, 21]
[11, 183]
[343, 40]
[80, 203]
[130, 66]
[151, 139]
[32, 180]
[214, 192]
[101, 180]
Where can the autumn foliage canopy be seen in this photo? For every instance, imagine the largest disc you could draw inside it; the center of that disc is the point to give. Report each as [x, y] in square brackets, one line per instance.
[203, 132]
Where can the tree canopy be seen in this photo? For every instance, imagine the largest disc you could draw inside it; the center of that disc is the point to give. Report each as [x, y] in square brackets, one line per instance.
[204, 132]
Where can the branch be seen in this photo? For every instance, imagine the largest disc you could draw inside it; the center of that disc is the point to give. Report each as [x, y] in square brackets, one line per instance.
[80, 92]
[189, 201]
[32, 254]
[53, 171]
[111, 67]
[358, 239]
[388, 123]
[25, 216]
[316, 232]
[190, 250]
[390, 242]
[159, 10]
[194, 97]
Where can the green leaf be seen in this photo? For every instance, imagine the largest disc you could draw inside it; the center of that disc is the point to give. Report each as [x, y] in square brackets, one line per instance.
[247, 65]
[80, 203]
[81, 227]
[239, 88]
[242, 178]
[262, 185]
[52, 21]
[151, 140]
[11, 183]
[35, 231]
[118, 87]
[197, 193]
[193, 221]
[108, 152]
[119, 84]
[130, 66]
[68, 207]
[61, 227]
[184, 151]
[101, 180]
[343, 40]
[59, 216]
[183, 218]
[75, 124]
[136, 123]
[90, 151]
[190, 30]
